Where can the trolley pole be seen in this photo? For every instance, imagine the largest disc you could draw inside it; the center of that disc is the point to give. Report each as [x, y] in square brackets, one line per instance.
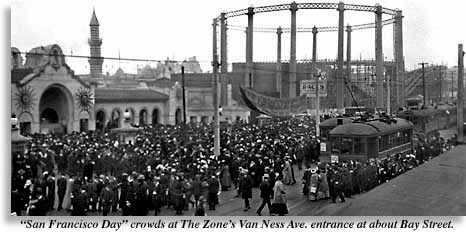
[460, 94]
[424, 90]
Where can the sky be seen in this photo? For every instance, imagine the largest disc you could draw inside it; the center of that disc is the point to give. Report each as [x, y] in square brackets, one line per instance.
[179, 29]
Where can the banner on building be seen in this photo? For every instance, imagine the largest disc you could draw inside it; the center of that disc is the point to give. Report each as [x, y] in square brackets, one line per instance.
[275, 106]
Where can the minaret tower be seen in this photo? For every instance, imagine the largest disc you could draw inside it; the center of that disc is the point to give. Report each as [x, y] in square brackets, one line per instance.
[96, 60]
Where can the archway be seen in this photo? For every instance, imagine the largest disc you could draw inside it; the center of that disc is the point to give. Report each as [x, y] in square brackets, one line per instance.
[100, 120]
[178, 117]
[56, 110]
[155, 117]
[143, 117]
[115, 120]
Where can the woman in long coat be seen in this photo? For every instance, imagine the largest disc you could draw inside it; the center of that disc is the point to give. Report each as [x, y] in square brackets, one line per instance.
[313, 185]
[323, 191]
[279, 198]
[225, 178]
[287, 175]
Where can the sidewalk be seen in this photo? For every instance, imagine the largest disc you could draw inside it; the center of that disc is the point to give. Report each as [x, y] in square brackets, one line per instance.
[437, 187]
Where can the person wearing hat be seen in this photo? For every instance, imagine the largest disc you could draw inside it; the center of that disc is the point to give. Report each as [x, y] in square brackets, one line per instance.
[313, 184]
[245, 188]
[106, 199]
[79, 202]
[266, 194]
[38, 203]
[214, 188]
[142, 196]
[279, 197]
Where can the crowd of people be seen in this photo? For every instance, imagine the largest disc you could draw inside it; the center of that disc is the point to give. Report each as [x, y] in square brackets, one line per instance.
[175, 168]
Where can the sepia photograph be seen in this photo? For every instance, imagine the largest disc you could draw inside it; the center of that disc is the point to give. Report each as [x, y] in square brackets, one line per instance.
[237, 108]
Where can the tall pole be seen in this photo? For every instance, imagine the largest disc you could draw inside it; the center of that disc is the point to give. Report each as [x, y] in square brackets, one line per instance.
[292, 79]
[215, 91]
[424, 88]
[452, 82]
[460, 94]
[184, 94]
[399, 58]
[279, 62]
[340, 63]
[441, 84]
[223, 59]
[249, 47]
[387, 77]
[348, 60]
[379, 57]
[314, 60]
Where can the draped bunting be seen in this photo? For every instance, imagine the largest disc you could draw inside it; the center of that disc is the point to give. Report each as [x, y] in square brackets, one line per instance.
[274, 106]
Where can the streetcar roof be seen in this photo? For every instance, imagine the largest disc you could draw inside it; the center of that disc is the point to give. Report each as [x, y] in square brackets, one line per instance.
[370, 128]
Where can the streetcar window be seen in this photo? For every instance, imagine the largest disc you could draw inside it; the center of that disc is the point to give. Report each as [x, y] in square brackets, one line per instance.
[346, 146]
[359, 146]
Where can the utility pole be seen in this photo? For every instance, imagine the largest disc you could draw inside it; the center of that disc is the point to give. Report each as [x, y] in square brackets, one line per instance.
[452, 82]
[441, 83]
[387, 78]
[185, 133]
[215, 91]
[184, 94]
[460, 94]
[424, 90]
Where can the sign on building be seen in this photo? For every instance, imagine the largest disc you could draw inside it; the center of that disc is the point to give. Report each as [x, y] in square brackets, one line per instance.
[308, 88]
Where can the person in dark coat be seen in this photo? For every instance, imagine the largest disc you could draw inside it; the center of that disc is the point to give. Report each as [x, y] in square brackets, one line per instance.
[266, 189]
[50, 191]
[245, 187]
[335, 185]
[80, 203]
[197, 189]
[212, 196]
[124, 188]
[16, 202]
[142, 197]
[38, 205]
[177, 195]
[106, 199]
[61, 190]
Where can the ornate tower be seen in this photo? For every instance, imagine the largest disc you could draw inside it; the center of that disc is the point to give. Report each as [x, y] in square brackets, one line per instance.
[95, 61]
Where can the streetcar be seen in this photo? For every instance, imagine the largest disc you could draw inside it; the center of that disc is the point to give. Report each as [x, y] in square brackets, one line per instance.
[427, 122]
[371, 139]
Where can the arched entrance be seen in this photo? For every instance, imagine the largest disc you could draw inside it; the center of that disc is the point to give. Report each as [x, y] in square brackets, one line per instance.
[155, 116]
[100, 120]
[143, 117]
[56, 110]
[115, 120]
[178, 117]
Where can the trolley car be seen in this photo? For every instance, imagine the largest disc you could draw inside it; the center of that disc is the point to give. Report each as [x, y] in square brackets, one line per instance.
[429, 121]
[364, 140]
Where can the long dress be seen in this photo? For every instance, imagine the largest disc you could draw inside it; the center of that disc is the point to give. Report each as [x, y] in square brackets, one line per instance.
[323, 191]
[67, 199]
[279, 199]
[287, 176]
[313, 187]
